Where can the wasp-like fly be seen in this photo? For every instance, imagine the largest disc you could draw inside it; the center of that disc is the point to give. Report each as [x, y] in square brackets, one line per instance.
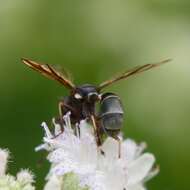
[82, 99]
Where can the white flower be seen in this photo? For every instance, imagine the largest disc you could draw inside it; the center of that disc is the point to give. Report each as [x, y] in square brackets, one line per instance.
[70, 152]
[24, 178]
[4, 154]
[53, 183]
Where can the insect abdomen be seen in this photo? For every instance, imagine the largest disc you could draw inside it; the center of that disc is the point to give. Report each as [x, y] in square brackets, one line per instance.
[111, 113]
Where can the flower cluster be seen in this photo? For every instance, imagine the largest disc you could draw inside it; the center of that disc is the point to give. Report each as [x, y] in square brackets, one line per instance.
[77, 162]
[23, 180]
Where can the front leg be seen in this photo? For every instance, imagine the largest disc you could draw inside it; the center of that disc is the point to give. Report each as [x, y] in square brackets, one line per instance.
[59, 120]
[66, 106]
[63, 109]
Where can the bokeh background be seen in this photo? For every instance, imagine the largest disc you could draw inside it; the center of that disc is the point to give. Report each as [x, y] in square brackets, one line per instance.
[94, 40]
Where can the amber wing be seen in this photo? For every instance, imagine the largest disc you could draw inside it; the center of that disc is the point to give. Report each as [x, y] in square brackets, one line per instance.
[134, 71]
[49, 72]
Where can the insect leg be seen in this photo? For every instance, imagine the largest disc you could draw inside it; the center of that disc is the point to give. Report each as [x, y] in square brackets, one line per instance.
[97, 134]
[119, 145]
[63, 109]
[96, 130]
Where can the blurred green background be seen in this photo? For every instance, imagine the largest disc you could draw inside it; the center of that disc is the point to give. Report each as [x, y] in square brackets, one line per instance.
[94, 40]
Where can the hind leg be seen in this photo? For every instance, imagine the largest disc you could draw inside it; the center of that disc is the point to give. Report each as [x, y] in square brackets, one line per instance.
[119, 145]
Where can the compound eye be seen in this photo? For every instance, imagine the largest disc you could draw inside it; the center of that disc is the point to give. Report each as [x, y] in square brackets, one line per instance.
[78, 96]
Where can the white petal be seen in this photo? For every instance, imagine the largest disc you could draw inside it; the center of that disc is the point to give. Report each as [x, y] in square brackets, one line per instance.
[136, 187]
[54, 183]
[93, 180]
[111, 148]
[87, 150]
[57, 155]
[85, 128]
[64, 167]
[129, 148]
[115, 180]
[141, 147]
[4, 154]
[152, 173]
[140, 168]
[25, 177]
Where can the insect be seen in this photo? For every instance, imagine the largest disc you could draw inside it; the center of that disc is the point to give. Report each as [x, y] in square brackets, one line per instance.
[81, 101]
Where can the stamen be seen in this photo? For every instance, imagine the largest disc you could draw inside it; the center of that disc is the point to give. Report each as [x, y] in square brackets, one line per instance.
[47, 131]
[57, 129]
[67, 120]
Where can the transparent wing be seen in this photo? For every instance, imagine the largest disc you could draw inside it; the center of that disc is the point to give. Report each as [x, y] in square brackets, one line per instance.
[49, 72]
[67, 74]
[134, 71]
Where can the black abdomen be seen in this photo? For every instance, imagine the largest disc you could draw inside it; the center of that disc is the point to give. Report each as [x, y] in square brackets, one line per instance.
[111, 113]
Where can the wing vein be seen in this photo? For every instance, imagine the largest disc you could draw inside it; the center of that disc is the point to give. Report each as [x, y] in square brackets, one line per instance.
[134, 71]
[49, 72]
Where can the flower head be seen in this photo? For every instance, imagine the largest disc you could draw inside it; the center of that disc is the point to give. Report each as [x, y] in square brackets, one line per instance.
[4, 155]
[71, 153]
[24, 178]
